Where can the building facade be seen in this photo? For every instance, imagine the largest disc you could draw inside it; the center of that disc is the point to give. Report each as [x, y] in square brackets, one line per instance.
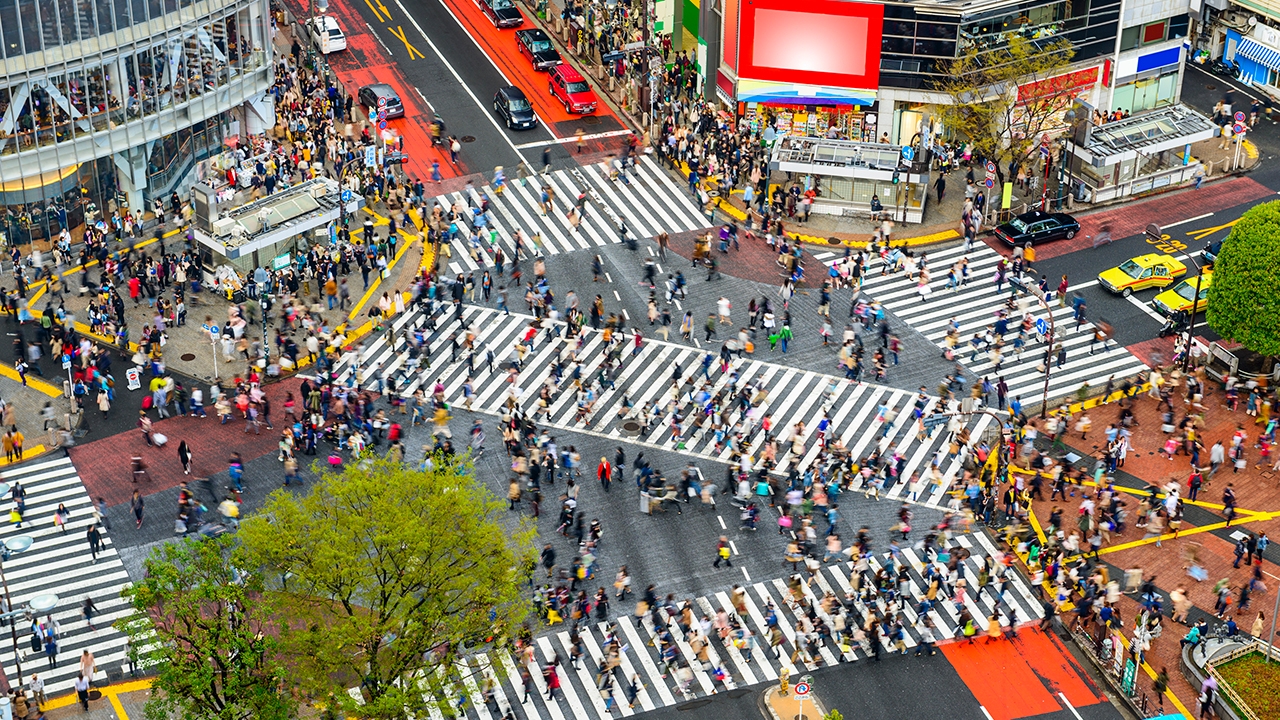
[108, 104]
[1128, 55]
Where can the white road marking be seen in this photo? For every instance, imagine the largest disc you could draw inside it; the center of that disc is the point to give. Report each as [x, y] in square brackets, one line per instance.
[568, 139]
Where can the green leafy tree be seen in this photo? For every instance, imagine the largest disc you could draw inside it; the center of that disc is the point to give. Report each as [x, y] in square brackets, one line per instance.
[392, 575]
[986, 108]
[200, 627]
[833, 715]
[1244, 300]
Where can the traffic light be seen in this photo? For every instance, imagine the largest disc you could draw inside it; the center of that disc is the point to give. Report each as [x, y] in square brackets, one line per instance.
[896, 176]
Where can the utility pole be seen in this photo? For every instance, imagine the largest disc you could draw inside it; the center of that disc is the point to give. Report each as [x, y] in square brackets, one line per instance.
[1191, 324]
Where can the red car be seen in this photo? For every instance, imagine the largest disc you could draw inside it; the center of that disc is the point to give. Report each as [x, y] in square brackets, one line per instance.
[567, 86]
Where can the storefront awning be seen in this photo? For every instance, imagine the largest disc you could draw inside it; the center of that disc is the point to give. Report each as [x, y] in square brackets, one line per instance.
[1259, 53]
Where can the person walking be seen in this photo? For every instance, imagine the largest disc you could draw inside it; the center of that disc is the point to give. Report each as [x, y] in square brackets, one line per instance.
[184, 454]
[137, 504]
[36, 686]
[82, 691]
[94, 536]
[723, 552]
[51, 649]
[88, 609]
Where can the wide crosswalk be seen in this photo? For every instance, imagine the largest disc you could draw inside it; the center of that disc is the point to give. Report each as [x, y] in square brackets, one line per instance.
[649, 201]
[624, 647]
[59, 563]
[792, 395]
[974, 306]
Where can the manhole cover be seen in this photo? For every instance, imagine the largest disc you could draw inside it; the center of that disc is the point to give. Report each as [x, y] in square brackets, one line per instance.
[188, 357]
[833, 241]
[631, 427]
[467, 138]
[590, 120]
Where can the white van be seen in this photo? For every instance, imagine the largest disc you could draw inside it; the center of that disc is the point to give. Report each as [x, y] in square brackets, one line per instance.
[329, 36]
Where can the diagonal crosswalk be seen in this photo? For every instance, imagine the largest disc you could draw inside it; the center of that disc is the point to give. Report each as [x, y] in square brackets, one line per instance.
[648, 200]
[974, 306]
[748, 634]
[644, 383]
[60, 563]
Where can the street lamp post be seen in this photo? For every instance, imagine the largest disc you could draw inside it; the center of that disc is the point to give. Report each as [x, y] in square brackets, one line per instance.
[1039, 295]
[1191, 324]
[12, 545]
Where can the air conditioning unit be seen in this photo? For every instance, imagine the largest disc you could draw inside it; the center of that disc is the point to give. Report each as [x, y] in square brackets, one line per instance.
[224, 227]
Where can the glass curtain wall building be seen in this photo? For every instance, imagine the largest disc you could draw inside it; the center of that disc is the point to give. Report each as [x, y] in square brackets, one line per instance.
[108, 104]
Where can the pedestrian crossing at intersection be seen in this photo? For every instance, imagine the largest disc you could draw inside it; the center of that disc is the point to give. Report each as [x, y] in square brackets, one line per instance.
[645, 197]
[866, 417]
[59, 563]
[488, 685]
[974, 306]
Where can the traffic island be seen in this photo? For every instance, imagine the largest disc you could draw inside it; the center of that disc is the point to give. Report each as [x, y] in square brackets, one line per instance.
[783, 702]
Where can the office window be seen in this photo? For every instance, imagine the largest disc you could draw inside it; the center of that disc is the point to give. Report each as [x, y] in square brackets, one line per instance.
[1129, 37]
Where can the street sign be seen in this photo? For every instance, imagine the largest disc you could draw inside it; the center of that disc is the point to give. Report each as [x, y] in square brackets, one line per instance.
[1238, 128]
[382, 103]
[990, 183]
[1042, 327]
[1239, 116]
[215, 330]
[802, 688]
[382, 124]
[1044, 150]
[382, 114]
[991, 167]
[281, 262]
[373, 114]
[66, 362]
[346, 195]
[908, 153]
[1154, 233]
[134, 377]
[370, 156]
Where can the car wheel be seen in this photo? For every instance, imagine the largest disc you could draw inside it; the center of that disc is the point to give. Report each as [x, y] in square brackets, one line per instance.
[1071, 234]
[567, 107]
[551, 90]
[1126, 292]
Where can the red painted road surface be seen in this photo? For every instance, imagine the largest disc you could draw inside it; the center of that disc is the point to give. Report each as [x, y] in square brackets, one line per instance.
[500, 46]
[1023, 676]
[365, 62]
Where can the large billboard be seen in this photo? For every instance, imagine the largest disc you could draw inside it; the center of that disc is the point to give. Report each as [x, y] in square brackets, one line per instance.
[811, 42]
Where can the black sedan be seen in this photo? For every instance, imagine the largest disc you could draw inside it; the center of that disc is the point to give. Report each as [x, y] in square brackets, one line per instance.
[535, 45]
[514, 108]
[1037, 227]
[503, 13]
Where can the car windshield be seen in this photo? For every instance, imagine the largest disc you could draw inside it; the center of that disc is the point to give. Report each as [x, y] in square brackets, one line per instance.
[1185, 290]
[501, 4]
[1131, 268]
[519, 104]
[540, 45]
[578, 87]
[1018, 225]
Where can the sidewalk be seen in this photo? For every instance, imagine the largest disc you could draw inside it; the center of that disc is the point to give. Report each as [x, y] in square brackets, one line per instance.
[1203, 530]
[122, 701]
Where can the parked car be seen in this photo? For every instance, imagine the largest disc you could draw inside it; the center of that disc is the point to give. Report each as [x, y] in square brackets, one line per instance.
[1036, 227]
[514, 108]
[503, 13]
[329, 37]
[535, 45]
[369, 95]
[1145, 271]
[567, 86]
[1179, 297]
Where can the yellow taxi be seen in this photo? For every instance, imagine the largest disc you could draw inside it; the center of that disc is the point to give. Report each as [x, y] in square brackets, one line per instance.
[1145, 271]
[1179, 296]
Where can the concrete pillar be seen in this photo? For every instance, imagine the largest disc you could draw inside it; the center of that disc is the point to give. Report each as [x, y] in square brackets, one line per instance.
[131, 175]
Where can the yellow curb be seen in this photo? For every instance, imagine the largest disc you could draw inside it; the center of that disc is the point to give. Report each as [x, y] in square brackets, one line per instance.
[27, 454]
[377, 282]
[732, 211]
[33, 382]
[110, 692]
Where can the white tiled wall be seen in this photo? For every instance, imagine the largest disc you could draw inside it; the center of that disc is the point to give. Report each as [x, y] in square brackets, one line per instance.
[1137, 12]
